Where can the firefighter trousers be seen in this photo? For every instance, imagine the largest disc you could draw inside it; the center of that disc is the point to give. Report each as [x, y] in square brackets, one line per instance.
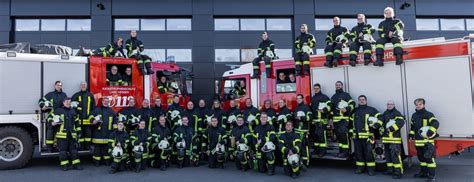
[364, 155]
[320, 141]
[68, 150]
[427, 164]
[394, 161]
[380, 47]
[301, 61]
[86, 137]
[101, 153]
[143, 62]
[266, 161]
[256, 65]
[333, 52]
[341, 131]
[354, 50]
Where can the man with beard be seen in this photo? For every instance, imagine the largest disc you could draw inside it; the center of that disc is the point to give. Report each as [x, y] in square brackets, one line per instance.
[342, 107]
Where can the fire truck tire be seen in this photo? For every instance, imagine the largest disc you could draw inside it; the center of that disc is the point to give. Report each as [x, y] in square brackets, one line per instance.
[16, 147]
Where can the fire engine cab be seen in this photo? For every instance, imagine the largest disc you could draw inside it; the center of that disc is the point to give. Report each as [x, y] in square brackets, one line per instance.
[28, 77]
[438, 70]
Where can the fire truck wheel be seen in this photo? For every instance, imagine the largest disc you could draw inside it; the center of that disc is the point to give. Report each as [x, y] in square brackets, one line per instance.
[16, 147]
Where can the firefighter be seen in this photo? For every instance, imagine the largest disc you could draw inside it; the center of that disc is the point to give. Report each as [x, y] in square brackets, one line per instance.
[214, 141]
[68, 134]
[304, 45]
[157, 109]
[393, 121]
[135, 50]
[113, 77]
[164, 86]
[112, 49]
[303, 120]
[231, 115]
[203, 111]
[127, 77]
[184, 138]
[290, 146]
[161, 147]
[321, 107]
[216, 111]
[271, 114]
[342, 107]
[282, 78]
[266, 53]
[239, 89]
[250, 114]
[291, 78]
[85, 105]
[196, 124]
[104, 121]
[240, 140]
[175, 112]
[361, 35]
[362, 130]
[48, 104]
[118, 148]
[265, 140]
[146, 114]
[131, 116]
[423, 131]
[140, 140]
[390, 31]
[283, 116]
[336, 39]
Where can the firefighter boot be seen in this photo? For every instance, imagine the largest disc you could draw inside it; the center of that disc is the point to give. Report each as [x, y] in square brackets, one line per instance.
[77, 167]
[379, 61]
[398, 59]
[65, 167]
[366, 62]
[149, 71]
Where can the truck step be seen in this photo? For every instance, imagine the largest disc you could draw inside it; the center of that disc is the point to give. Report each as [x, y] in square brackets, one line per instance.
[57, 153]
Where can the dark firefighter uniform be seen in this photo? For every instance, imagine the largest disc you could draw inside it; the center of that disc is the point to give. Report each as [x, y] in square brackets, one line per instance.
[140, 136]
[219, 114]
[126, 80]
[86, 106]
[163, 87]
[147, 115]
[110, 50]
[195, 121]
[211, 137]
[363, 136]
[341, 120]
[290, 141]
[251, 111]
[302, 127]
[160, 157]
[301, 57]
[119, 137]
[391, 138]
[233, 112]
[143, 61]
[272, 115]
[239, 90]
[101, 133]
[56, 99]
[320, 121]
[205, 118]
[67, 136]
[172, 118]
[129, 113]
[158, 111]
[389, 25]
[333, 48]
[113, 80]
[265, 159]
[357, 41]
[283, 116]
[425, 146]
[263, 47]
[242, 135]
[185, 155]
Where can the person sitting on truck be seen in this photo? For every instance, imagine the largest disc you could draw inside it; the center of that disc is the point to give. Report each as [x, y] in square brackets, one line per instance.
[390, 31]
[304, 45]
[68, 135]
[85, 105]
[135, 50]
[336, 39]
[424, 130]
[239, 89]
[266, 53]
[112, 49]
[282, 78]
[127, 77]
[50, 102]
[113, 77]
[361, 35]
[163, 85]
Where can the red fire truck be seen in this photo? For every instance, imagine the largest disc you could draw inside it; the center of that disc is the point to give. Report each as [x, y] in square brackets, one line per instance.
[436, 69]
[28, 77]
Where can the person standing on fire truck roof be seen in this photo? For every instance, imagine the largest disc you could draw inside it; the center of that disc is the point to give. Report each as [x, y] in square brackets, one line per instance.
[135, 50]
[304, 45]
[49, 103]
[336, 39]
[85, 105]
[266, 53]
[390, 30]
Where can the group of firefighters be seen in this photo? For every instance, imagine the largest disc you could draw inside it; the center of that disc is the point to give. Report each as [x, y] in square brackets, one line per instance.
[138, 137]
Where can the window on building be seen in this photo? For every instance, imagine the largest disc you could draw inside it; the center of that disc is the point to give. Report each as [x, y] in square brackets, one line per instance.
[78, 24]
[227, 55]
[53, 25]
[286, 80]
[226, 24]
[158, 55]
[278, 24]
[470, 24]
[178, 24]
[126, 24]
[252, 24]
[27, 24]
[179, 55]
[284, 53]
[427, 24]
[247, 55]
[323, 23]
[374, 22]
[348, 22]
[452, 24]
[152, 24]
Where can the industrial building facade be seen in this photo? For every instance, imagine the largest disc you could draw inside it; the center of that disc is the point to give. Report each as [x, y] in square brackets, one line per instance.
[212, 36]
